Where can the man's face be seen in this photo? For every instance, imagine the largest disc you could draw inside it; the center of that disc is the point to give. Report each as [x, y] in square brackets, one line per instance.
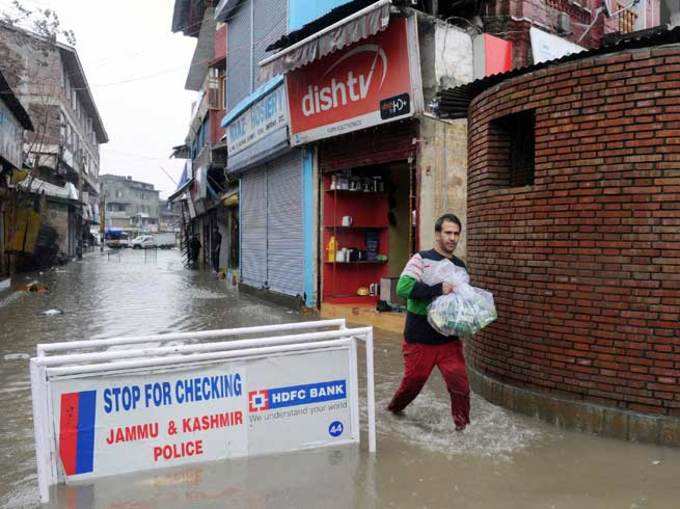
[448, 238]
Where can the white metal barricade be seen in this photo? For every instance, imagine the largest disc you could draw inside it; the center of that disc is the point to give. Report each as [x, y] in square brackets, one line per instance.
[143, 393]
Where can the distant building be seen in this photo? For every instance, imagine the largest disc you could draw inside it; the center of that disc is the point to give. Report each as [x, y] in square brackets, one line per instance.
[170, 216]
[208, 199]
[63, 151]
[130, 205]
[13, 121]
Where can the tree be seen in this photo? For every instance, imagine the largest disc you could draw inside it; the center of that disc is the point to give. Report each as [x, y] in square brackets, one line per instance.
[43, 22]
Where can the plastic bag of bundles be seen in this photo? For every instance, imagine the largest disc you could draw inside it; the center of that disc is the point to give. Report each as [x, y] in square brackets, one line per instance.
[463, 312]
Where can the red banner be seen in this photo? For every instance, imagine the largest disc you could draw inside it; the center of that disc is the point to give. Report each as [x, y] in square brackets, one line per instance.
[363, 85]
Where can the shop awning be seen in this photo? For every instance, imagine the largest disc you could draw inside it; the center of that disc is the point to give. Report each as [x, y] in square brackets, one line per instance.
[355, 27]
[180, 152]
[185, 182]
[38, 186]
[248, 101]
[177, 195]
[14, 105]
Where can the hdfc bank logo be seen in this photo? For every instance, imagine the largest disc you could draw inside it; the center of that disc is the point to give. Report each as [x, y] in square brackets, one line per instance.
[350, 87]
[258, 401]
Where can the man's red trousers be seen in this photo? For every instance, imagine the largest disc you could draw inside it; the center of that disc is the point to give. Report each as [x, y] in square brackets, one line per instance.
[419, 360]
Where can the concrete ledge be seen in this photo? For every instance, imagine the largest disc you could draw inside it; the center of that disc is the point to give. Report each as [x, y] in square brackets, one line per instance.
[578, 415]
[365, 315]
[273, 297]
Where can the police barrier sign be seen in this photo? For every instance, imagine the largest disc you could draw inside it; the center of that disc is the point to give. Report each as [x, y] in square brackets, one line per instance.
[209, 413]
[132, 415]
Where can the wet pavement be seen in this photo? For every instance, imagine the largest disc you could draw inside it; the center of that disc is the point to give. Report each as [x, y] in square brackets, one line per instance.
[502, 460]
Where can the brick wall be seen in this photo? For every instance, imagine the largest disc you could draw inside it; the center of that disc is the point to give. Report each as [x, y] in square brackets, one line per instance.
[584, 264]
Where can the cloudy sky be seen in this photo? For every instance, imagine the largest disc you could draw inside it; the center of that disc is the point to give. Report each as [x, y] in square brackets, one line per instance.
[136, 69]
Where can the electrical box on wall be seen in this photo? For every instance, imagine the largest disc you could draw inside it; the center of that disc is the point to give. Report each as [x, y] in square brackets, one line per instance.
[388, 292]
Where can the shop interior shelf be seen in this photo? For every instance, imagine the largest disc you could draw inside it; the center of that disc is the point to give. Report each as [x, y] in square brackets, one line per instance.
[347, 191]
[357, 263]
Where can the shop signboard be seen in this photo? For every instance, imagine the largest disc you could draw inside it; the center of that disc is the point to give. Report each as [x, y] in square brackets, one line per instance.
[264, 117]
[226, 410]
[373, 81]
[11, 137]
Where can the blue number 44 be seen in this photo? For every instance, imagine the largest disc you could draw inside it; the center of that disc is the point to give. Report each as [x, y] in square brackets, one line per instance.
[335, 429]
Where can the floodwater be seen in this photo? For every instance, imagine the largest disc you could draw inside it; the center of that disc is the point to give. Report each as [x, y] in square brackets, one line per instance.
[503, 460]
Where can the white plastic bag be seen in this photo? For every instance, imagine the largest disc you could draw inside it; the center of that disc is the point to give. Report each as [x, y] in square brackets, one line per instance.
[463, 312]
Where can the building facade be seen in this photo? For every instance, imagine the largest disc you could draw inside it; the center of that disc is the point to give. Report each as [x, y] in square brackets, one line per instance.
[14, 120]
[276, 180]
[63, 150]
[583, 23]
[129, 205]
[205, 194]
[383, 165]
[304, 111]
[170, 216]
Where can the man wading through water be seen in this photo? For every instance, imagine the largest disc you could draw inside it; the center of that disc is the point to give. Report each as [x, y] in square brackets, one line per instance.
[424, 348]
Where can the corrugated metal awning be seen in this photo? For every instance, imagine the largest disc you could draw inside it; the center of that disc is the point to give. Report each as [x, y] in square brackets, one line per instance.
[179, 195]
[454, 102]
[360, 25]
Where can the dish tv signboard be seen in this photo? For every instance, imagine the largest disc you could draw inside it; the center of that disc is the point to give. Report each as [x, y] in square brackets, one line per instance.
[109, 413]
[371, 82]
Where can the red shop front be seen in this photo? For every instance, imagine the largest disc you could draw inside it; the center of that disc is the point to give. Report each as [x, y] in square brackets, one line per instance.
[358, 105]
[368, 191]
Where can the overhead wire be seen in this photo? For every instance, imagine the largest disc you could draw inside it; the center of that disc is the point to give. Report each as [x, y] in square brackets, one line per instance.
[207, 61]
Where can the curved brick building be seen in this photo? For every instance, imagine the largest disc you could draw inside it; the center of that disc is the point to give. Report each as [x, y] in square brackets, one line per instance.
[574, 224]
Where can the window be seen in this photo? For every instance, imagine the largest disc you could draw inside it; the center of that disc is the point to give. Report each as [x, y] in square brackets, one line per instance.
[512, 149]
[627, 19]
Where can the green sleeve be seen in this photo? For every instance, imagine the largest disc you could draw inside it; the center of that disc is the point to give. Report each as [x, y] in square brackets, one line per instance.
[404, 286]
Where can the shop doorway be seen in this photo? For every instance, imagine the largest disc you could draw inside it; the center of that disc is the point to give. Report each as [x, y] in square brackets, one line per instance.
[368, 229]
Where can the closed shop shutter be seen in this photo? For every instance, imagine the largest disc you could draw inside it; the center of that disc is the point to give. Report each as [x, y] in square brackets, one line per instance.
[285, 232]
[253, 210]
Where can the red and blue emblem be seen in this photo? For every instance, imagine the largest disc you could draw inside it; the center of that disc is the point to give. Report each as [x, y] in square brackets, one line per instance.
[258, 401]
[76, 431]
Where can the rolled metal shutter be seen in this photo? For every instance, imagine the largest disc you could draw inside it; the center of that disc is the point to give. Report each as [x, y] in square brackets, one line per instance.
[253, 211]
[285, 257]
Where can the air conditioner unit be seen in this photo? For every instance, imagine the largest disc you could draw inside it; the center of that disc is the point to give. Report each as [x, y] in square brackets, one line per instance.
[563, 23]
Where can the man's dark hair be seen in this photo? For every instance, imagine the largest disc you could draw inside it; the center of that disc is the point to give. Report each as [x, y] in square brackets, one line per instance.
[452, 218]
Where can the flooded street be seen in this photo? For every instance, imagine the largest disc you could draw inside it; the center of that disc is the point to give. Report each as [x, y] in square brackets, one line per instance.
[502, 460]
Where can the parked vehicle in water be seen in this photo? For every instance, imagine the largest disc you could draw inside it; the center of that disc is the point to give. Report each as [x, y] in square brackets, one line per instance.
[143, 242]
[165, 240]
[115, 238]
[160, 240]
